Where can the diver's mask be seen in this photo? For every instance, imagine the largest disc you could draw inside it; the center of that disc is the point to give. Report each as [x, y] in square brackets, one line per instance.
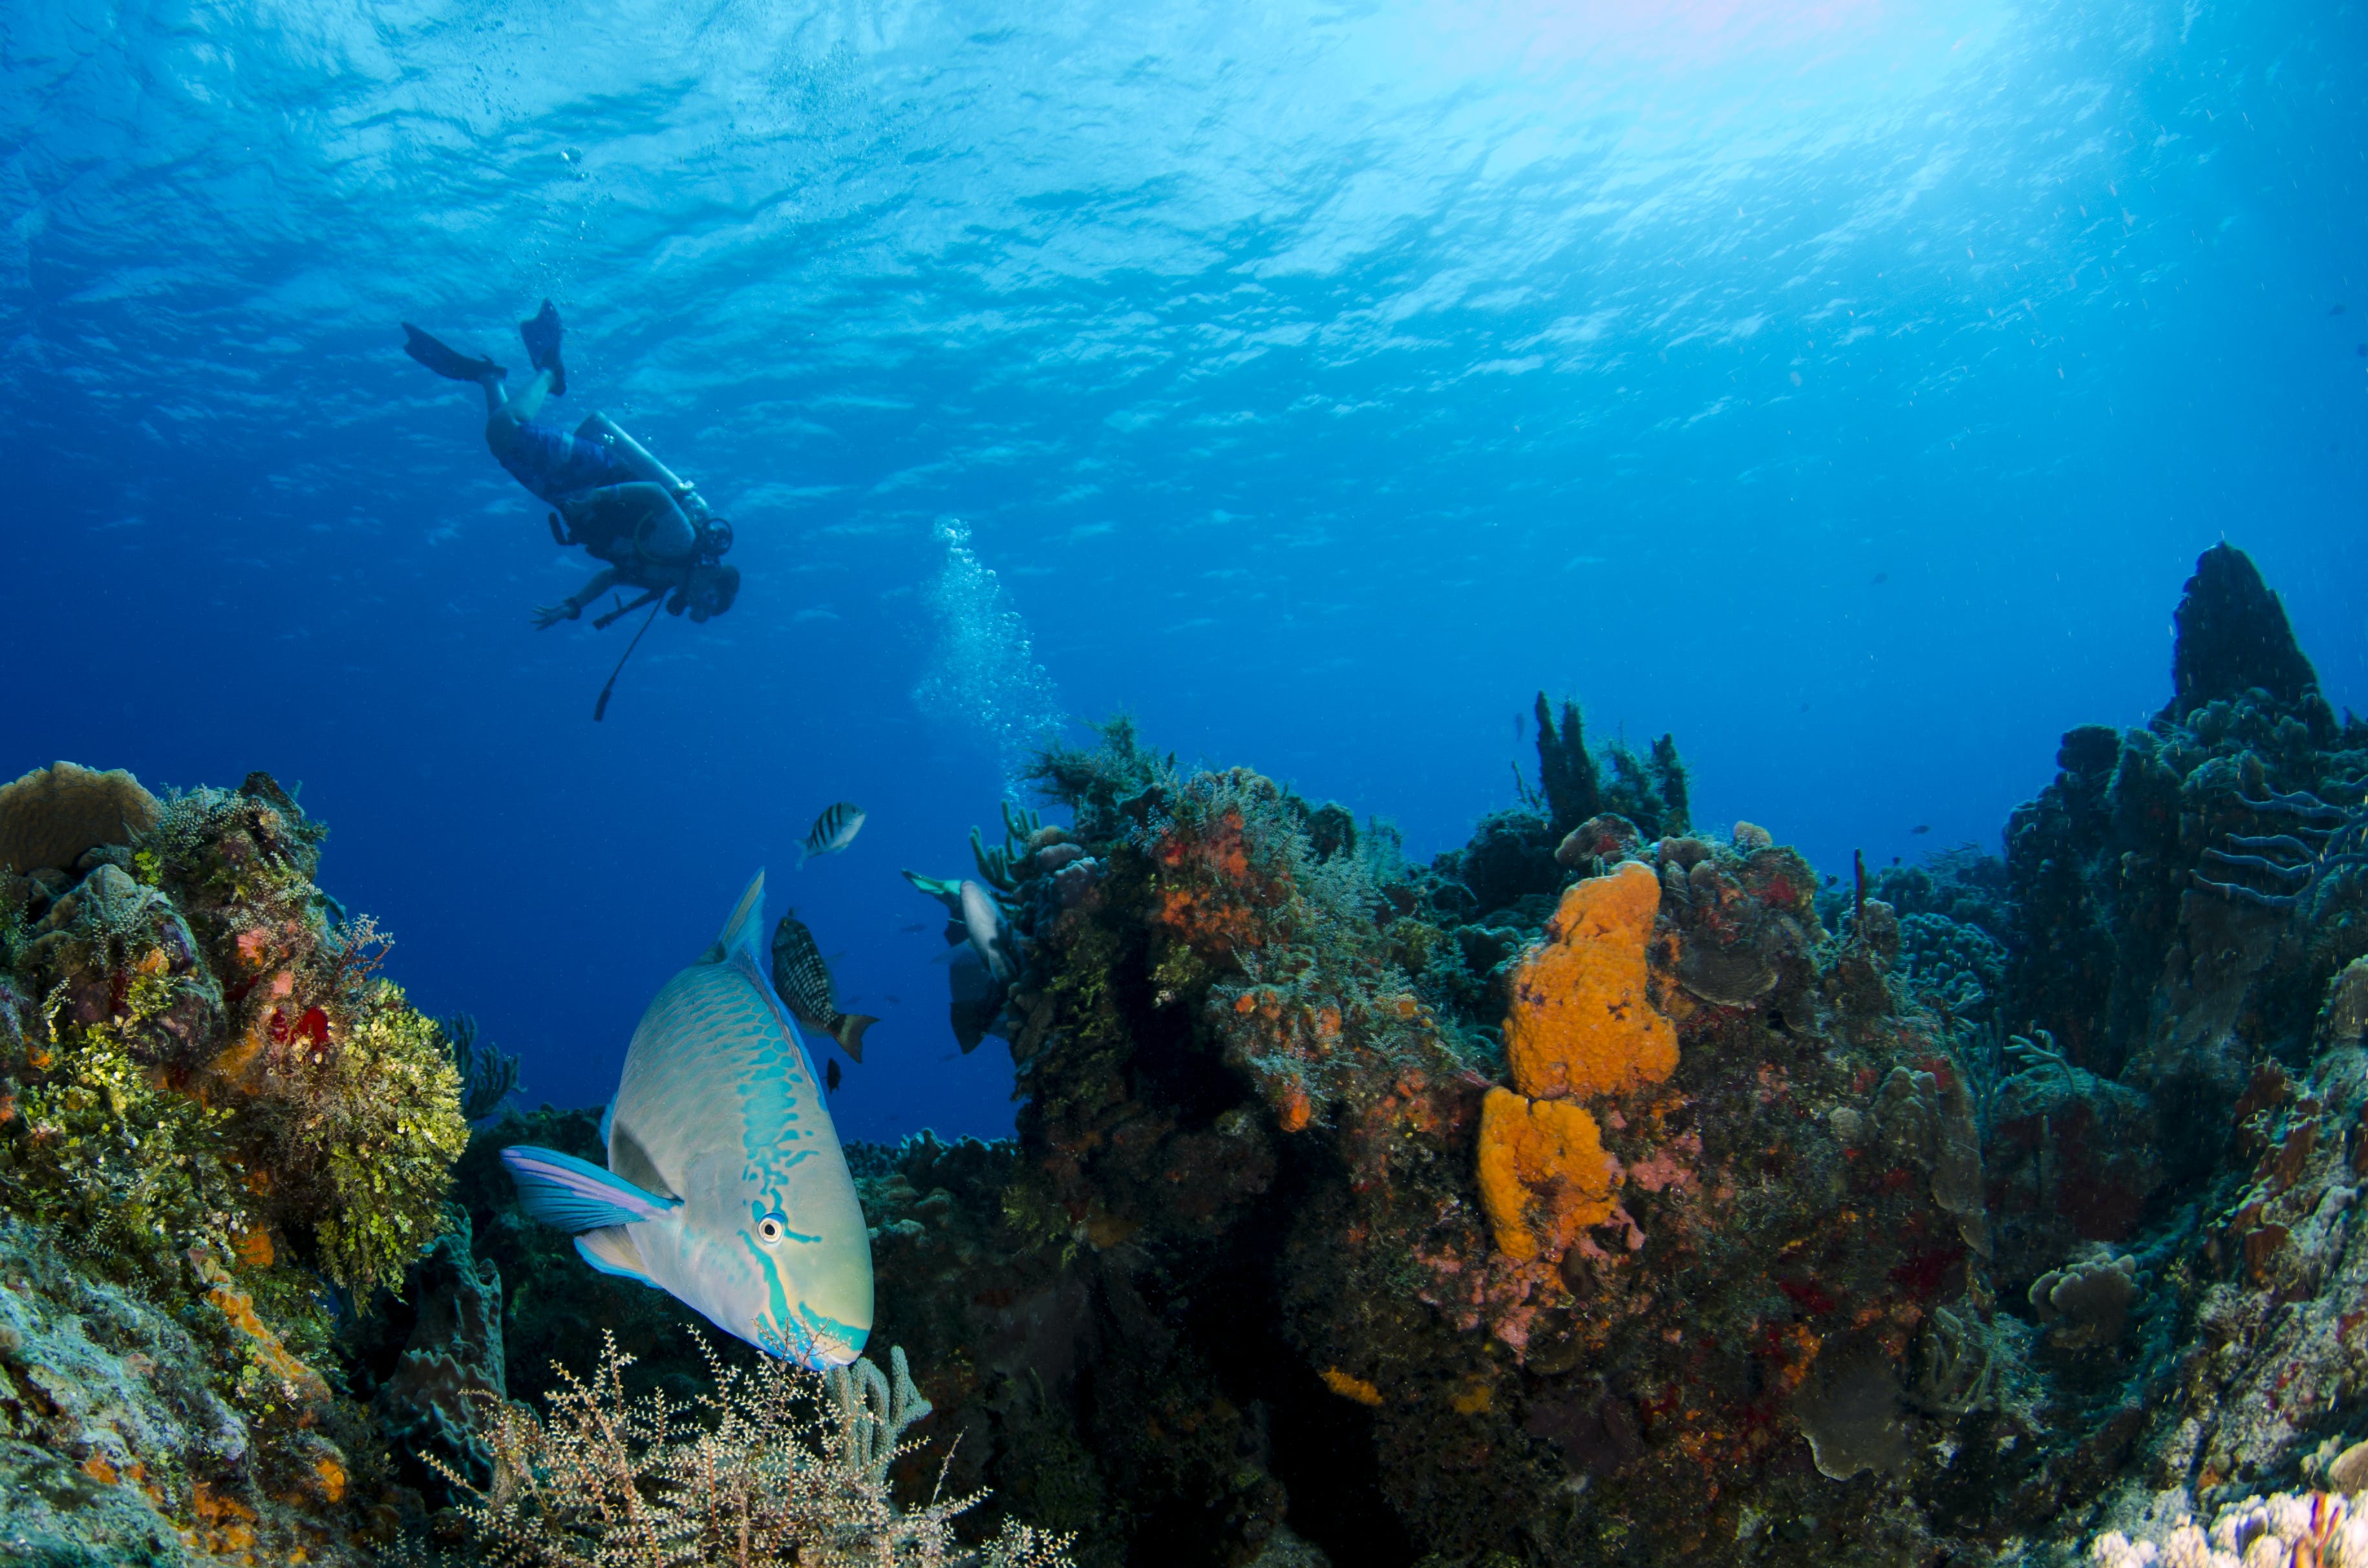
[709, 591]
[715, 538]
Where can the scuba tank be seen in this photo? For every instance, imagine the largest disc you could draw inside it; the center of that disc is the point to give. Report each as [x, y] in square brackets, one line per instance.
[599, 428]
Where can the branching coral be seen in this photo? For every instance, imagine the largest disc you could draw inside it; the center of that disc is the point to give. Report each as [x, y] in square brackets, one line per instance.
[2322, 838]
[774, 1465]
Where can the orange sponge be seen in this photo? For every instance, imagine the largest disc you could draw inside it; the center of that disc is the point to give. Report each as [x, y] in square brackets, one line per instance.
[1580, 1023]
[1544, 1174]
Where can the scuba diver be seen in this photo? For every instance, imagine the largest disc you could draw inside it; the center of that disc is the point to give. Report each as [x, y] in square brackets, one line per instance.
[607, 493]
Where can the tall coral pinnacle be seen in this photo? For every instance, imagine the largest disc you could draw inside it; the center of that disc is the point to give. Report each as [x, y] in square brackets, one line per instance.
[1580, 1022]
[1544, 1174]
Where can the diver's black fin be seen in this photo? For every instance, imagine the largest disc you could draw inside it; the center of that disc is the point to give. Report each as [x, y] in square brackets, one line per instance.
[541, 332]
[445, 359]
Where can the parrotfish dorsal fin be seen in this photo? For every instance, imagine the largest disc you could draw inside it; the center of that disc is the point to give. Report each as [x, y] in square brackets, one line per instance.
[742, 930]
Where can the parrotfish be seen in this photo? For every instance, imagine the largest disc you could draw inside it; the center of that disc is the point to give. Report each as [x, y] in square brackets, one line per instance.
[726, 1186]
[981, 920]
[801, 980]
[833, 830]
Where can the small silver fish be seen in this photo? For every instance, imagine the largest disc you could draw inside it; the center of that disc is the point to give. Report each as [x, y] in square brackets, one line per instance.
[726, 1186]
[802, 979]
[832, 832]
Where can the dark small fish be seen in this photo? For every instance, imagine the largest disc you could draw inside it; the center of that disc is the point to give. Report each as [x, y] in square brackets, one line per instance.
[830, 1075]
[914, 929]
[832, 832]
[2335, 309]
[2363, 351]
[803, 982]
[1880, 579]
[1921, 828]
[891, 1001]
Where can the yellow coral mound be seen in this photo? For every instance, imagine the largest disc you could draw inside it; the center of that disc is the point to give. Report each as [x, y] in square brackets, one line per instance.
[1543, 1175]
[1581, 1024]
[52, 815]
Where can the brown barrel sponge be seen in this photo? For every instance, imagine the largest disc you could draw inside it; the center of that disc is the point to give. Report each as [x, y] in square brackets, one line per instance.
[52, 815]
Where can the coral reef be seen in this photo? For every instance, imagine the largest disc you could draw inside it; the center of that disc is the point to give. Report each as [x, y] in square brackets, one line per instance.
[220, 1127]
[2317, 1528]
[1599, 1192]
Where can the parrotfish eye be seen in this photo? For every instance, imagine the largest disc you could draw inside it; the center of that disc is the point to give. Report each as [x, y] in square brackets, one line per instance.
[771, 1229]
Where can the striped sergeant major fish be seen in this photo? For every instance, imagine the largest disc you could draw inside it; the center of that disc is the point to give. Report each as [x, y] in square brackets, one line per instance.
[801, 980]
[726, 1186]
[832, 832]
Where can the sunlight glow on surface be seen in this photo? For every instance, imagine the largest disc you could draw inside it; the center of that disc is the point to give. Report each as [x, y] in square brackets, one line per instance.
[1721, 55]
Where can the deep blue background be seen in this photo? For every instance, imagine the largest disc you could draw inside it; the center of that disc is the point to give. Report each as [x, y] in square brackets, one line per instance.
[1847, 388]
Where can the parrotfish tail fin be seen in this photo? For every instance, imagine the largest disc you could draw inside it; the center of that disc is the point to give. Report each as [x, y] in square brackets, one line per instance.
[849, 1032]
[946, 892]
[569, 1194]
[746, 927]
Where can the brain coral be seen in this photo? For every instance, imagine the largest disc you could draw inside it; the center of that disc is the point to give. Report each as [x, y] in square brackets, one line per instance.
[1544, 1174]
[1580, 1022]
[52, 815]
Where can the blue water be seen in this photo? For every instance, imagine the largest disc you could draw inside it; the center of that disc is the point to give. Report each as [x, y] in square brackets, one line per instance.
[1847, 388]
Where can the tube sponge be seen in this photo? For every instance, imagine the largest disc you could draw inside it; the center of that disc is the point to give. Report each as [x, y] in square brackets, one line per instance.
[1581, 1023]
[1544, 1174]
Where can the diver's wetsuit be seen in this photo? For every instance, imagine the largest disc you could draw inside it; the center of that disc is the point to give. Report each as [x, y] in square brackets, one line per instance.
[552, 463]
[609, 509]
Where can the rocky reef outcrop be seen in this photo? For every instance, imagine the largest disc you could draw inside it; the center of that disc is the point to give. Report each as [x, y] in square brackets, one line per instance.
[1602, 1192]
[222, 1133]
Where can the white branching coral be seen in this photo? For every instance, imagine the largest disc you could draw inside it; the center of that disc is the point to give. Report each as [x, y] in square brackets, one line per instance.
[2292, 1530]
[775, 1466]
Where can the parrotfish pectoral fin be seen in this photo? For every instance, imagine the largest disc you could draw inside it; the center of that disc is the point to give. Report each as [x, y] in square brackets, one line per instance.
[569, 1194]
[742, 931]
[610, 1250]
